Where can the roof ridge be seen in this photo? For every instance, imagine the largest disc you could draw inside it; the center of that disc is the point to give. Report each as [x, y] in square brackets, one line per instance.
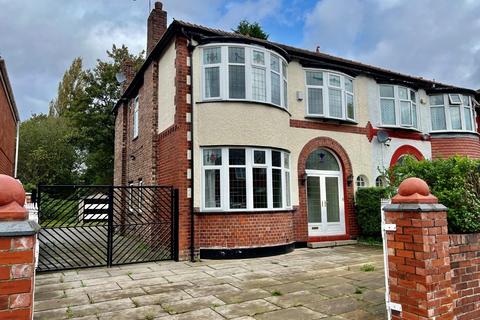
[320, 54]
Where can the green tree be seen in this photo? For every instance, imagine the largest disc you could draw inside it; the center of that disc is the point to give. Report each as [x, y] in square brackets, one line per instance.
[45, 155]
[70, 89]
[92, 118]
[251, 29]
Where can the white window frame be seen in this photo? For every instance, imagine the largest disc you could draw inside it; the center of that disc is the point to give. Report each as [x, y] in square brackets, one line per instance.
[136, 106]
[326, 74]
[212, 65]
[223, 178]
[249, 65]
[447, 105]
[249, 165]
[382, 180]
[452, 96]
[363, 180]
[413, 103]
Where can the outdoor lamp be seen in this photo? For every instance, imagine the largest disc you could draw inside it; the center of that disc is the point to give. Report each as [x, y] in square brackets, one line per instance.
[349, 180]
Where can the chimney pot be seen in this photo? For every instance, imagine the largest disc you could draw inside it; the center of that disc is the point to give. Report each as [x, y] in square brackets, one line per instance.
[158, 5]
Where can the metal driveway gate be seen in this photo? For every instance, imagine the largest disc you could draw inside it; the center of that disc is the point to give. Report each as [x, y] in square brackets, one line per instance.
[90, 226]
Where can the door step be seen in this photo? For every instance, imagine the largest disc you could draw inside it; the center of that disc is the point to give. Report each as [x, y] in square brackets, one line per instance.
[326, 244]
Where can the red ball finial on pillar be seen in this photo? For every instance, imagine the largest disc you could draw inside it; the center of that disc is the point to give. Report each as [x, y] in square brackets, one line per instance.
[12, 199]
[414, 190]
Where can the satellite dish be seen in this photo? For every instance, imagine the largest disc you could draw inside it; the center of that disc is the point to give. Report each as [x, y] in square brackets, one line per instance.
[382, 136]
[120, 77]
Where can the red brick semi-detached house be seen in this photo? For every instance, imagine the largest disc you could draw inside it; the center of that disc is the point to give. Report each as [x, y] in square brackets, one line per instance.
[9, 120]
[267, 143]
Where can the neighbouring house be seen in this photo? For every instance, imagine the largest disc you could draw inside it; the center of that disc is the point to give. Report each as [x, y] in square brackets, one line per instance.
[9, 124]
[267, 143]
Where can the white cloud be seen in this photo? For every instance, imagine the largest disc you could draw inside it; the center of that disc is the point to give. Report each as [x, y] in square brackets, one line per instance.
[429, 38]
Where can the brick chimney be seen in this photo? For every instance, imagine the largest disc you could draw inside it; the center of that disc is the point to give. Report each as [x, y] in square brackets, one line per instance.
[128, 70]
[156, 26]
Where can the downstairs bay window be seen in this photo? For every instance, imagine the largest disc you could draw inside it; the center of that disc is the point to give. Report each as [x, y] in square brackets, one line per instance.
[239, 179]
[240, 72]
[398, 106]
[451, 112]
[329, 95]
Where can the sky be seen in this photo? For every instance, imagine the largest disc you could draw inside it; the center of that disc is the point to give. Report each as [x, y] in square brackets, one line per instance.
[435, 39]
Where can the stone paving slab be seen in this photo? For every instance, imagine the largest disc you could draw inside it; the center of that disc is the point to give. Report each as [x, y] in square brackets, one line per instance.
[326, 284]
[297, 313]
[187, 305]
[248, 308]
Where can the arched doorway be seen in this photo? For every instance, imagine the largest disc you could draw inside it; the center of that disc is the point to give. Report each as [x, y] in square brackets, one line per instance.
[403, 151]
[325, 199]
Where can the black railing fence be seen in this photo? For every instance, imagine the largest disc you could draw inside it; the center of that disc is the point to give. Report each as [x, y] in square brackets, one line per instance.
[87, 226]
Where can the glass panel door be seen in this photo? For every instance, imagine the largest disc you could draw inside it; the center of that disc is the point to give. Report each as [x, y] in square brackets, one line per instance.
[314, 200]
[325, 204]
[332, 199]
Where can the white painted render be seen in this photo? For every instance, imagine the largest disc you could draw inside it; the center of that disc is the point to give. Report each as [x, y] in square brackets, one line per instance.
[166, 89]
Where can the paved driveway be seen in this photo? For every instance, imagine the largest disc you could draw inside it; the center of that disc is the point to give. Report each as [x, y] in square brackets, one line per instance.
[328, 283]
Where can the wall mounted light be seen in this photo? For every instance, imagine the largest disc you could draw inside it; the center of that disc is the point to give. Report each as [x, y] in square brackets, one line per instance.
[132, 157]
[349, 180]
[303, 178]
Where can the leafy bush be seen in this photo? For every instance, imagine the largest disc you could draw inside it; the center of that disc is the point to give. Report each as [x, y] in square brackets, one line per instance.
[368, 210]
[456, 184]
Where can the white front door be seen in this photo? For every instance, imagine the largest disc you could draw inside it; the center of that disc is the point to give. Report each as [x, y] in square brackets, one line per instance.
[325, 205]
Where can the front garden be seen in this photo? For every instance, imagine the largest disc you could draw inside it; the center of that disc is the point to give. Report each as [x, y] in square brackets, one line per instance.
[454, 181]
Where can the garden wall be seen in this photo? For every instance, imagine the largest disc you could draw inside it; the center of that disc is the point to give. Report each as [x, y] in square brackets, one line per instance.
[465, 265]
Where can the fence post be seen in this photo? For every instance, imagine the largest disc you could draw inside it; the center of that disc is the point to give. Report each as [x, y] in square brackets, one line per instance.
[110, 226]
[17, 252]
[175, 217]
[418, 254]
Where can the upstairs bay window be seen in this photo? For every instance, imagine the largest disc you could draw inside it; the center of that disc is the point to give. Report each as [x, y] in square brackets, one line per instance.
[236, 179]
[242, 72]
[398, 106]
[452, 112]
[329, 95]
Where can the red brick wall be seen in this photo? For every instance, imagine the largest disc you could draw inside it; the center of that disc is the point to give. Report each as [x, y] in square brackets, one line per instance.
[444, 147]
[301, 218]
[16, 276]
[120, 153]
[172, 147]
[465, 265]
[140, 160]
[244, 230]
[7, 134]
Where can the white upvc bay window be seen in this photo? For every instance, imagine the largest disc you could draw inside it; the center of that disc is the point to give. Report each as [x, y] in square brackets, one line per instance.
[245, 179]
[241, 72]
[329, 95]
[398, 106]
[451, 112]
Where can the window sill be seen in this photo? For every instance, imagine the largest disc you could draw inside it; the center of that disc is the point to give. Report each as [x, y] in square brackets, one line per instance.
[412, 129]
[334, 120]
[454, 132]
[226, 212]
[244, 101]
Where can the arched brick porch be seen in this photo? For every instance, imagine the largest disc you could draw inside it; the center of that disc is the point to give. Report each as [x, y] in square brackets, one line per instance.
[301, 220]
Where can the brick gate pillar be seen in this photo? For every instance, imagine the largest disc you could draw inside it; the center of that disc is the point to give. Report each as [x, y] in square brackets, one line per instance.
[17, 256]
[418, 253]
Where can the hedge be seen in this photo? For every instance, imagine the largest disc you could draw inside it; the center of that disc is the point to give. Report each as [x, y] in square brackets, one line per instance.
[454, 181]
[367, 206]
